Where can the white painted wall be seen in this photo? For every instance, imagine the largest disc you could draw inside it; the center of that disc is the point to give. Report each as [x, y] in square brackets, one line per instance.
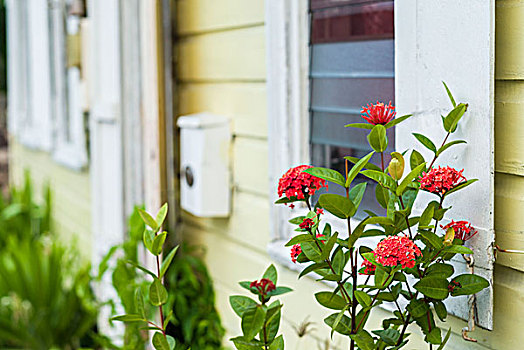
[452, 41]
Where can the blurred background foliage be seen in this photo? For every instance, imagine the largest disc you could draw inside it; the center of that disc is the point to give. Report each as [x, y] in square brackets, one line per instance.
[45, 296]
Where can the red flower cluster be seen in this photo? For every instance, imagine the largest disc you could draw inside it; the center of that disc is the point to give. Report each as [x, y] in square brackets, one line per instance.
[441, 180]
[369, 268]
[463, 229]
[263, 286]
[295, 252]
[307, 224]
[296, 183]
[452, 285]
[297, 249]
[319, 211]
[378, 113]
[396, 250]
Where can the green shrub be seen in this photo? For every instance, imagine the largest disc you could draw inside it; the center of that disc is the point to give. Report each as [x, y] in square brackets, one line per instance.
[196, 322]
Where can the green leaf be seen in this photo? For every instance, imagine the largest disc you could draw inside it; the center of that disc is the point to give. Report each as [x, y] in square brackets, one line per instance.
[426, 142]
[432, 238]
[148, 219]
[148, 238]
[469, 284]
[326, 249]
[359, 125]
[450, 95]
[357, 168]
[448, 145]
[427, 216]
[440, 309]
[129, 318]
[296, 220]
[271, 274]
[305, 237]
[388, 336]
[242, 344]
[241, 304]
[377, 138]
[339, 323]
[157, 293]
[460, 186]
[409, 178]
[134, 264]
[161, 215]
[381, 276]
[337, 205]
[277, 344]
[279, 291]
[457, 249]
[382, 196]
[446, 338]
[383, 179]
[253, 321]
[453, 117]
[311, 251]
[433, 287]
[397, 121]
[327, 174]
[369, 165]
[417, 308]
[363, 298]
[167, 261]
[330, 300]
[364, 340]
[356, 194]
[160, 342]
[139, 303]
[434, 337]
[440, 270]
[415, 159]
[312, 268]
[158, 243]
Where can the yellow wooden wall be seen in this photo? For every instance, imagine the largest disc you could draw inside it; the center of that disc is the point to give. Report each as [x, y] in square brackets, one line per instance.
[221, 69]
[71, 196]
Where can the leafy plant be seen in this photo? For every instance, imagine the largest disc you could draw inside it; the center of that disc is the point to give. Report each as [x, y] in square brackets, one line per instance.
[21, 216]
[260, 320]
[195, 323]
[45, 295]
[411, 262]
[154, 241]
[127, 280]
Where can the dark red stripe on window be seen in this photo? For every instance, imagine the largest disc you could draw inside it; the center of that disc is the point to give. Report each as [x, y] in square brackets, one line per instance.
[352, 23]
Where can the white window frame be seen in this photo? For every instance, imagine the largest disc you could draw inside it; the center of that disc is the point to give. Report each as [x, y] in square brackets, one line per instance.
[287, 26]
[70, 147]
[29, 90]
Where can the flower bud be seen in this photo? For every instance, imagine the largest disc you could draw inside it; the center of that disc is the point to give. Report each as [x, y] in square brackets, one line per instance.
[450, 235]
[396, 166]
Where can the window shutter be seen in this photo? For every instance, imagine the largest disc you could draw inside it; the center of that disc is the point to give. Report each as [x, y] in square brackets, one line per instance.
[453, 41]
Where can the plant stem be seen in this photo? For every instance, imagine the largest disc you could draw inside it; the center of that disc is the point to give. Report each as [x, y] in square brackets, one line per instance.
[372, 302]
[435, 157]
[160, 306]
[382, 160]
[404, 330]
[407, 220]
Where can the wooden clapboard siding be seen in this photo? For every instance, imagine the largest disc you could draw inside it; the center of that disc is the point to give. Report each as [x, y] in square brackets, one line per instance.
[243, 103]
[509, 132]
[201, 16]
[71, 196]
[230, 55]
[250, 164]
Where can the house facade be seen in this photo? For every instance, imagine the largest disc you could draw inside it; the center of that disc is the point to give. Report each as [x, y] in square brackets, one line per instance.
[96, 88]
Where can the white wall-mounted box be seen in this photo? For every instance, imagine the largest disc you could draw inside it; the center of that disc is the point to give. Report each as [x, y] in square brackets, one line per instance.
[205, 183]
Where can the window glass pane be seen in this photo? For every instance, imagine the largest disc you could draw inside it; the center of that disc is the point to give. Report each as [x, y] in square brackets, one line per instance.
[352, 64]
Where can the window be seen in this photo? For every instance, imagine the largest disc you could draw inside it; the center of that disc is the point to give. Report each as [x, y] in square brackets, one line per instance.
[428, 40]
[351, 60]
[67, 86]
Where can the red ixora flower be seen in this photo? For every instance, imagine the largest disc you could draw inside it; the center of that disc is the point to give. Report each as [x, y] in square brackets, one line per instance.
[263, 286]
[295, 252]
[296, 183]
[319, 211]
[369, 267]
[463, 229]
[397, 250]
[307, 224]
[441, 180]
[378, 113]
